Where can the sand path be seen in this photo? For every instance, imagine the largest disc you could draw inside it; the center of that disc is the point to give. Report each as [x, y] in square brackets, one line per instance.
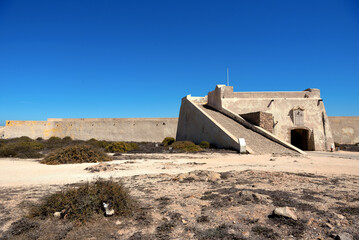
[26, 172]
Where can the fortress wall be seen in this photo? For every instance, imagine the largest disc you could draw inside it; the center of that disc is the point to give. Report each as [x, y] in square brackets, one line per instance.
[282, 110]
[32, 129]
[345, 129]
[227, 92]
[280, 105]
[110, 129]
[195, 125]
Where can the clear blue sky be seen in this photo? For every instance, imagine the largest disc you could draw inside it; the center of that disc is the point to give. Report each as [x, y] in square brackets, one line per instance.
[92, 59]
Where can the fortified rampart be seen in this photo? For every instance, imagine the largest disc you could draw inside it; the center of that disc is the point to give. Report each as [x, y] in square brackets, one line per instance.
[345, 129]
[110, 129]
[298, 117]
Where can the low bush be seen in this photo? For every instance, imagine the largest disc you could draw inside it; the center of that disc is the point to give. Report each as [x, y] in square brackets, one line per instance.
[186, 146]
[100, 144]
[168, 141]
[82, 202]
[121, 147]
[205, 144]
[22, 147]
[76, 154]
[53, 142]
[67, 139]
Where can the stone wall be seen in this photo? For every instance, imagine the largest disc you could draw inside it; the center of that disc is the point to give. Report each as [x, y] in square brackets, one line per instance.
[195, 125]
[345, 129]
[110, 129]
[261, 119]
[281, 105]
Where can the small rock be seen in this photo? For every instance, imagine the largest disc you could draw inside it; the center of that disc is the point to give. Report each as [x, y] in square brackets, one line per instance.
[213, 176]
[184, 221]
[247, 195]
[245, 234]
[310, 221]
[118, 222]
[286, 212]
[330, 226]
[344, 236]
[341, 217]
[261, 197]
[272, 159]
[231, 231]
[57, 214]
[108, 210]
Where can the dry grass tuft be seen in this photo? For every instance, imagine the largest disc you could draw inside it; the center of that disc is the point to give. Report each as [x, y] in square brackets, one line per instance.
[121, 147]
[168, 141]
[186, 146]
[81, 203]
[76, 154]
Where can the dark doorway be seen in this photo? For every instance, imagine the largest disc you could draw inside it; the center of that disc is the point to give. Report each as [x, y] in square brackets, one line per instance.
[299, 138]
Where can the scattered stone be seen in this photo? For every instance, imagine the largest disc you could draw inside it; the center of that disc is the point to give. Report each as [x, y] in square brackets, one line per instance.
[252, 196]
[272, 159]
[344, 236]
[213, 176]
[57, 214]
[198, 175]
[118, 222]
[102, 167]
[341, 217]
[328, 225]
[108, 211]
[310, 221]
[286, 212]
[246, 234]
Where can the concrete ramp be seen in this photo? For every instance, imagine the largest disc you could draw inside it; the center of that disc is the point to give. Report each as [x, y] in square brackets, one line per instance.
[199, 122]
[258, 143]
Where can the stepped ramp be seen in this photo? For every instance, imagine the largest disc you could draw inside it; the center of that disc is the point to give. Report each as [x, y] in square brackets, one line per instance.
[258, 143]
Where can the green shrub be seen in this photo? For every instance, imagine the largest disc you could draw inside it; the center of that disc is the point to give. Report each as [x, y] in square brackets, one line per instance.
[22, 147]
[67, 139]
[186, 146]
[54, 139]
[205, 144]
[53, 142]
[24, 139]
[97, 143]
[337, 144]
[121, 147]
[168, 141]
[5, 151]
[133, 146]
[82, 202]
[76, 154]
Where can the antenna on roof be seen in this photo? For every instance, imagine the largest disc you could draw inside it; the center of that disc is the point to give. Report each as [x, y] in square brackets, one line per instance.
[227, 76]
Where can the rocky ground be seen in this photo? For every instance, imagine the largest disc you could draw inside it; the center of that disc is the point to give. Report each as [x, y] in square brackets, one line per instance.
[204, 204]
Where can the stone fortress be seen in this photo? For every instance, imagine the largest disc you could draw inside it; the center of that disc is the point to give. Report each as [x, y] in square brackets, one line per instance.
[253, 122]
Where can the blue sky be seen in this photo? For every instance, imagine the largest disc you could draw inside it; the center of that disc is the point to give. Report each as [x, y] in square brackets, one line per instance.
[93, 59]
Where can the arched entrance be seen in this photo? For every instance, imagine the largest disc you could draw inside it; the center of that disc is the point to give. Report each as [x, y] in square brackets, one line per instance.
[300, 138]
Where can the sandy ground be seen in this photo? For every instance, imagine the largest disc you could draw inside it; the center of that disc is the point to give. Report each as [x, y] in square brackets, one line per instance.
[26, 172]
[195, 196]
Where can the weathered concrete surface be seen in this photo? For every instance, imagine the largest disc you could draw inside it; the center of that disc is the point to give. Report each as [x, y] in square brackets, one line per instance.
[196, 125]
[281, 105]
[110, 129]
[345, 129]
[257, 142]
[259, 130]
